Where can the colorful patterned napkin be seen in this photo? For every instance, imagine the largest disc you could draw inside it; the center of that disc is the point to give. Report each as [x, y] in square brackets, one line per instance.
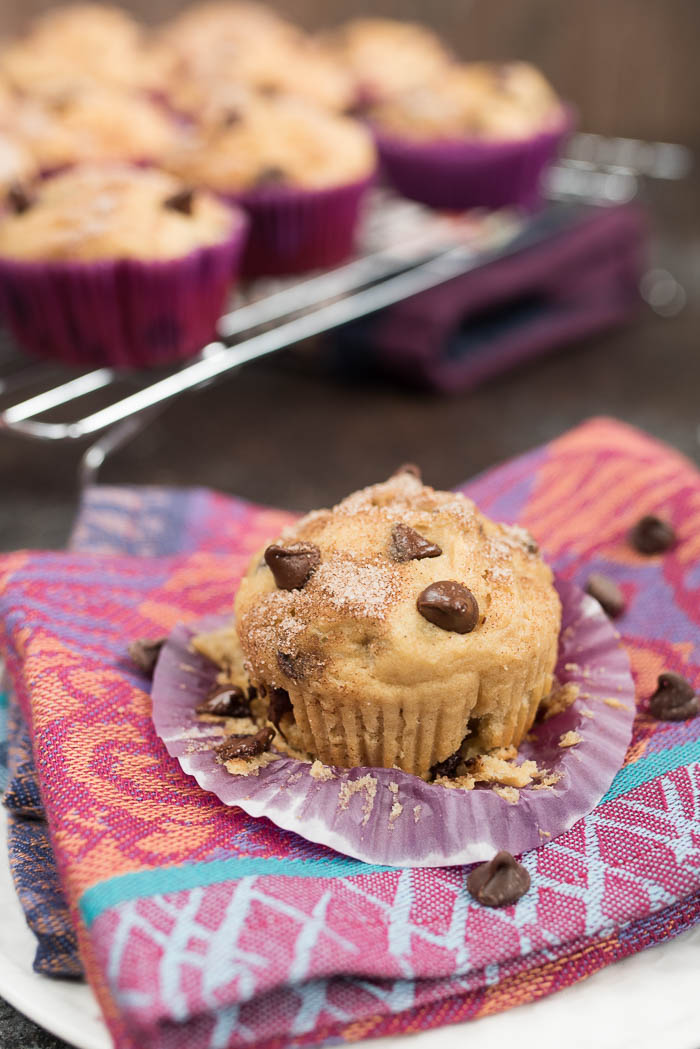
[200, 926]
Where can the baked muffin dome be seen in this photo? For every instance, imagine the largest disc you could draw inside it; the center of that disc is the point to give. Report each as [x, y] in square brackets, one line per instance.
[99, 124]
[402, 624]
[78, 46]
[474, 100]
[278, 141]
[387, 56]
[107, 212]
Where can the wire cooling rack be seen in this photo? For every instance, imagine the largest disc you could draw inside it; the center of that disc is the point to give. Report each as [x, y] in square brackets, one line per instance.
[405, 249]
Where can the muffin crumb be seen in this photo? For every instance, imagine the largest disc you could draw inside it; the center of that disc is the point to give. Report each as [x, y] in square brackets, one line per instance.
[570, 739]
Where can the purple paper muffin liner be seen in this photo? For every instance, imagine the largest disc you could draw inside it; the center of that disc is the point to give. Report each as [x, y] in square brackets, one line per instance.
[293, 230]
[458, 174]
[125, 313]
[390, 817]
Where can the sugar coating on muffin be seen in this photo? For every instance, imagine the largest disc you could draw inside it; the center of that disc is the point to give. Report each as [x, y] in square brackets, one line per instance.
[479, 99]
[276, 142]
[110, 212]
[387, 56]
[402, 625]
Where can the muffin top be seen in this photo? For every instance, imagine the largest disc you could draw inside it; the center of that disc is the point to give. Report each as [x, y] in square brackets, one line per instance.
[100, 124]
[275, 142]
[109, 212]
[77, 46]
[478, 99]
[387, 56]
[398, 585]
[270, 68]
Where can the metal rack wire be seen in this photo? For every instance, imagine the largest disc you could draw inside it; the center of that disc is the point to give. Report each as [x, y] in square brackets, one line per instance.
[405, 249]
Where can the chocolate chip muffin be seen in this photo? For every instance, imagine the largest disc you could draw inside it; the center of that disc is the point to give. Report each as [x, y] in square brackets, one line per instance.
[399, 627]
[479, 100]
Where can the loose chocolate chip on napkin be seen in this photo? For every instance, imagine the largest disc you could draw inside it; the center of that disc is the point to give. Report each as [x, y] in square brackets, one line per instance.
[674, 699]
[144, 653]
[607, 593]
[499, 882]
[226, 701]
[293, 565]
[409, 545]
[449, 605]
[652, 535]
[246, 746]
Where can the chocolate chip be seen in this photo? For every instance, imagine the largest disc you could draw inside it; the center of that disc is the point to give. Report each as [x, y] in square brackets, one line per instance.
[279, 704]
[408, 545]
[181, 201]
[448, 767]
[19, 199]
[499, 882]
[144, 653]
[409, 468]
[226, 701]
[231, 117]
[246, 746]
[292, 565]
[449, 605]
[607, 593]
[252, 693]
[271, 176]
[674, 699]
[294, 666]
[652, 535]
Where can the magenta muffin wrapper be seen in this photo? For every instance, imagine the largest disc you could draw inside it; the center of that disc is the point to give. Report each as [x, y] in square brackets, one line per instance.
[458, 174]
[294, 230]
[386, 816]
[125, 313]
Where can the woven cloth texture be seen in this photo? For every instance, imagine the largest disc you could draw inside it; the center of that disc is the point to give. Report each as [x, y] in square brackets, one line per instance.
[197, 924]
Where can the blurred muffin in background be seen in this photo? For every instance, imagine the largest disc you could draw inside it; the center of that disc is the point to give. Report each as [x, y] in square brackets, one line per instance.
[117, 265]
[280, 142]
[99, 124]
[299, 171]
[75, 47]
[479, 135]
[480, 100]
[221, 45]
[386, 56]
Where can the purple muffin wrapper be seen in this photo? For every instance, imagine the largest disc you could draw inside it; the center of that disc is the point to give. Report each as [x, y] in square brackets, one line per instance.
[458, 174]
[125, 313]
[293, 230]
[434, 826]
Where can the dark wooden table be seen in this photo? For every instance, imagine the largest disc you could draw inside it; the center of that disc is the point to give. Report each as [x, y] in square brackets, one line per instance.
[279, 434]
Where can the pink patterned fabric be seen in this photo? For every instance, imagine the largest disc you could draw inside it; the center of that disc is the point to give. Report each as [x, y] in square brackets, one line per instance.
[201, 927]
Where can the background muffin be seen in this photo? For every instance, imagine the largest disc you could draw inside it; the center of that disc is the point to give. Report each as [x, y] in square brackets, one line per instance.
[117, 265]
[387, 56]
[98, 124]
[402, 623]
[301, 174]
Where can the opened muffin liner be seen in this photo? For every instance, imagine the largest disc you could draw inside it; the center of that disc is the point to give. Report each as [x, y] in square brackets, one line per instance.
[125, 313]
[293, 230]
[465, 173]
[386, 816]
